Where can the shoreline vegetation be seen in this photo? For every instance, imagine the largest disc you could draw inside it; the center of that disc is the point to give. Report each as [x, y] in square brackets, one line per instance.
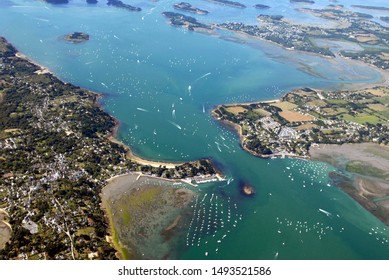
[184, 6]
[55, 161]
[347, 129]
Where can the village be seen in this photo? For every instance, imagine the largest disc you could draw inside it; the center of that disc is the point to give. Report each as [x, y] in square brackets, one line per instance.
[344, 25]
[305, 117]
[56, 156]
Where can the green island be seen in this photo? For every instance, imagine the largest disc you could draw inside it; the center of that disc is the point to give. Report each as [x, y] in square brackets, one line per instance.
[229, 3]
[370, 7]
[260, 6]
[57, 153]
[186, 7]
[305, 117]
[190, 23]
[77, 37]
[120, 4]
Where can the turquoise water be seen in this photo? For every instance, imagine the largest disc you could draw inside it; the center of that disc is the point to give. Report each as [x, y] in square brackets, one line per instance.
[161, 83]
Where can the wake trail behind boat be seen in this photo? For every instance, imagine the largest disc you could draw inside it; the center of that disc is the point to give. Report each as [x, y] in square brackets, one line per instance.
[176, 125]
[143, 110]
[325, 212]
[203, 76]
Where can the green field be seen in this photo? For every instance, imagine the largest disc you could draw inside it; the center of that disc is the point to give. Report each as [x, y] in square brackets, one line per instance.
[361, 118]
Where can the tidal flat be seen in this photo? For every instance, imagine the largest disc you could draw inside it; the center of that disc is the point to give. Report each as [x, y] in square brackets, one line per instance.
[145, 214]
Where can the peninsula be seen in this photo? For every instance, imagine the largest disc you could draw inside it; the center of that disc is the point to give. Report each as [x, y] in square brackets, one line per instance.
[305, 117]
[346, 129]
[343, 25]
[56, 155]
[186, 7]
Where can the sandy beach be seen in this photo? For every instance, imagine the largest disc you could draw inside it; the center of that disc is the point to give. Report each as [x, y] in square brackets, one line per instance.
[43, 70]
[139, 160]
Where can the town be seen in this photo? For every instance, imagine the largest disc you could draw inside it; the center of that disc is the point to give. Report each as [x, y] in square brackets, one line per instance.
[55, 158]
[305, 117]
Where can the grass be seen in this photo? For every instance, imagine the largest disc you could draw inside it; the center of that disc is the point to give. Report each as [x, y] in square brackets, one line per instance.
[365, 169]
[306, 126]
[236, 110]
[262, 112]
[144, 197]
[336, 101]
[361, 119]
[85, 231]
[383, 99]
[123, 252]
[292, 116]
[3, 135]
[285, 105]
[378, 91]
[317, 102]
[378, 107]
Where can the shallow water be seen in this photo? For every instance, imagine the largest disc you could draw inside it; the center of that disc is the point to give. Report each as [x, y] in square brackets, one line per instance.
[161, 82]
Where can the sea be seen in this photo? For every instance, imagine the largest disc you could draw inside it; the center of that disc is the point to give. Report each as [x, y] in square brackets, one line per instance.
[161, 82]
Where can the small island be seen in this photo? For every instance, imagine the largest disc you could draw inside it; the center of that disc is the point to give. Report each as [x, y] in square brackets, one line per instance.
[57, 2]
[120, 4]
[77, 37]
[370, 7]
[229, 3]
[187, 22]
[302, 1]
[184, 6]
[261, 7]
[248, 190]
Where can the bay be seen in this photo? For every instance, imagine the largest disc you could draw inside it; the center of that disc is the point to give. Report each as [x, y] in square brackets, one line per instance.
[161, 83]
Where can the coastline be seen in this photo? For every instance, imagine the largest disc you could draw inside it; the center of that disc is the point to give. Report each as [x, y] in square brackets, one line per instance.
[112, 136]
[43, 70]
[384, 75]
